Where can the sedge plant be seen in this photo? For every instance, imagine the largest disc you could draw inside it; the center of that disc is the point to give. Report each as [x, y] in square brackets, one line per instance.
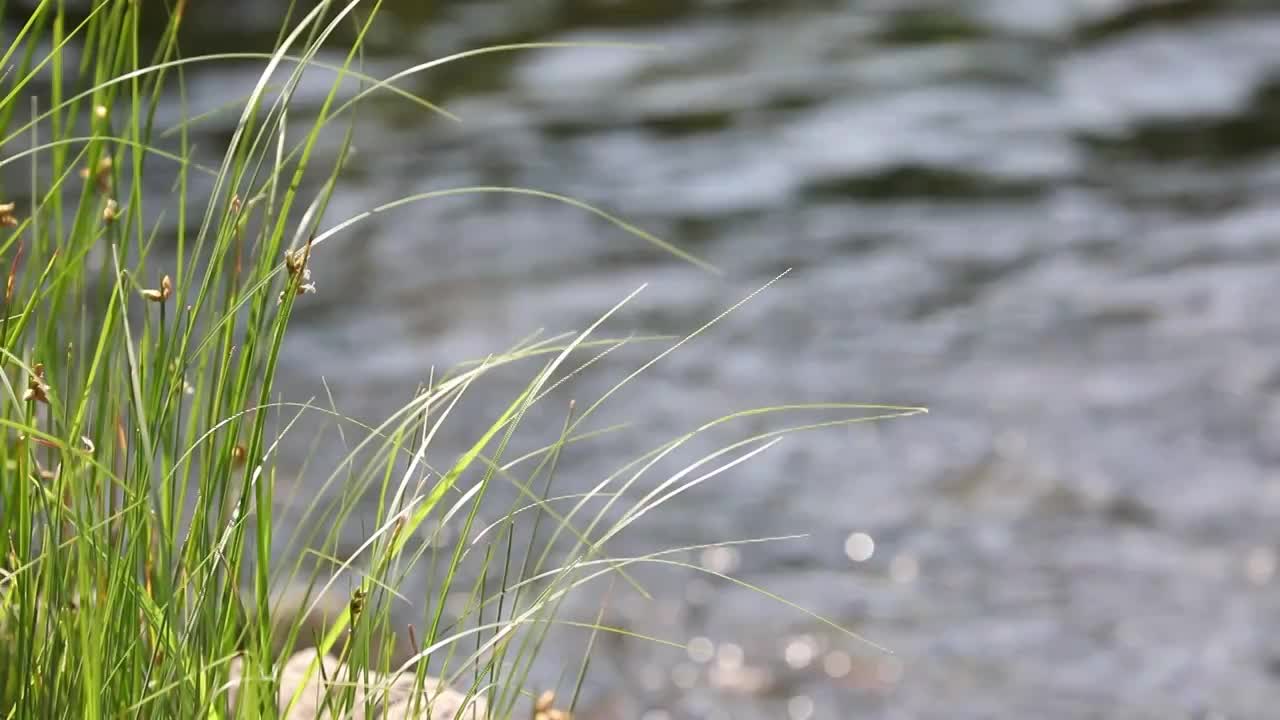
[140, 342]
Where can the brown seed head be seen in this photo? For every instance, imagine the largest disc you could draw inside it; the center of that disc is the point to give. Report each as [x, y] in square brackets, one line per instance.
[36, 388]
[295, 261]
[166, 289]
[238, 455]
[101, 174]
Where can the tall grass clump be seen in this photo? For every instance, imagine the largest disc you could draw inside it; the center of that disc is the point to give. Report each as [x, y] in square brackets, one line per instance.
[140, 340]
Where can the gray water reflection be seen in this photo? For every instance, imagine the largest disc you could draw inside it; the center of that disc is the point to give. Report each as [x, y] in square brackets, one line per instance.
[1054, 223]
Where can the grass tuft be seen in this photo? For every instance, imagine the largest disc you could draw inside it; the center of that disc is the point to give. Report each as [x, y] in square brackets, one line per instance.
[140, 570]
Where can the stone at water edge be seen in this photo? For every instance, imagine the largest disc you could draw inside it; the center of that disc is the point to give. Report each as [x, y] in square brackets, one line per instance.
[392, 693]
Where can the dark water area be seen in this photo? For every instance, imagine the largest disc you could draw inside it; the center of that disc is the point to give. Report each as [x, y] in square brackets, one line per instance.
[1056, 223]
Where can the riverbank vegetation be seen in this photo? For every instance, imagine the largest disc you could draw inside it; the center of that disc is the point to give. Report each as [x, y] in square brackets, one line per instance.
[146, 299]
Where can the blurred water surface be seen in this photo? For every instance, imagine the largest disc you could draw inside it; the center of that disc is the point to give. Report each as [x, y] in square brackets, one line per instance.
[1054, 222]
